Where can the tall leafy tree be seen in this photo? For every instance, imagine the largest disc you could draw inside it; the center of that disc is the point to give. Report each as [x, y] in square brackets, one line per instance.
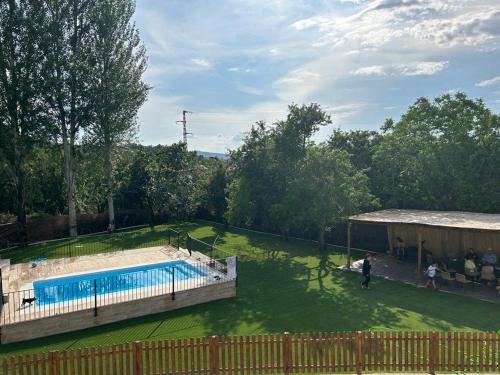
[117, 89]
[263, 167]
[21, 108]
[67, 62]
[211, 192]
[359, 144]
[162, 179]
[251, 171]
[327, 189]
[442, 154]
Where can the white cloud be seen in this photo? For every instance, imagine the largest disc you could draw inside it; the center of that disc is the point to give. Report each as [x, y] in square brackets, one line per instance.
[410, 69]
[356, 2]
[309, 22]
[233, 69]
[201, 63]
[474, 28]
[250, 90]
[377, 70]
[426, 68]
[441, 23]
[489, 82]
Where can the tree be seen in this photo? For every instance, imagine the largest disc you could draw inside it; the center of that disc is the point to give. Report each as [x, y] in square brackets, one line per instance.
[359, 144]
[164, 180]
[441, 155]
[327, 189]
[212, 190]
[22, 121]
[67, 62]
[117, 89]
[261, 170]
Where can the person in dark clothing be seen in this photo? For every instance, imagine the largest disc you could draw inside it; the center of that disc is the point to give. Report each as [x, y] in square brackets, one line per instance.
[471, 255]
[366, 270]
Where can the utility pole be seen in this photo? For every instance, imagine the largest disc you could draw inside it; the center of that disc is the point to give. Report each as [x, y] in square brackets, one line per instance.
[184, 129]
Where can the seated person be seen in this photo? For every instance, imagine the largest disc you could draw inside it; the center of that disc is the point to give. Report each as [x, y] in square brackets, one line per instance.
[489, 258]
[488, 273]
[471, 255]
[470, 269]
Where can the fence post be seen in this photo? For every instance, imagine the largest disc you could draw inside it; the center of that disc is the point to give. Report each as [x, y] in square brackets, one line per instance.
[433, 350]
[173, 283]
[95, 297]
[287, 353]
[53, 363]
[214, 360]
[359, 352]
[137, 358]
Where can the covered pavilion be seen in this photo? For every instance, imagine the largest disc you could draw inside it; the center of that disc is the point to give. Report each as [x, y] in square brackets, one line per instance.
[446, 233]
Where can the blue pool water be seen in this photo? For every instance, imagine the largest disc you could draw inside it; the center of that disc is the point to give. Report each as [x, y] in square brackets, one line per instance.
[81, 286]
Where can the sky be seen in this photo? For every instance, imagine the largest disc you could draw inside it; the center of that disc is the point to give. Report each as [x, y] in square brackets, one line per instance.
[235, 62]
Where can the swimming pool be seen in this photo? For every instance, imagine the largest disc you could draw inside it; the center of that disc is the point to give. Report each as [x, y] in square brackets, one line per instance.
[111, 281]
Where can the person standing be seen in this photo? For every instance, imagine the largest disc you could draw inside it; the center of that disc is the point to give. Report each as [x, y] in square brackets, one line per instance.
[431, 275]
[367, 267]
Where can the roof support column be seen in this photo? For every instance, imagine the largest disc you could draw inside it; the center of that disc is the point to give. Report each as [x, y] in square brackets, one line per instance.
[349, 244]
[389, 238]
[419, 258]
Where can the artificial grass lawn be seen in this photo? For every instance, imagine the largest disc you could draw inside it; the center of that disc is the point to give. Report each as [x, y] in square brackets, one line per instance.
[285, 286]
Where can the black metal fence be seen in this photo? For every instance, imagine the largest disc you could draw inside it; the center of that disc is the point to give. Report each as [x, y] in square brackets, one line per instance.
[92, 244]
[210, 250]
[50, 298]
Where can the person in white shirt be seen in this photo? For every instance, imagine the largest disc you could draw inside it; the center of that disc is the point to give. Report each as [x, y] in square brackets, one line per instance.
[431, 275]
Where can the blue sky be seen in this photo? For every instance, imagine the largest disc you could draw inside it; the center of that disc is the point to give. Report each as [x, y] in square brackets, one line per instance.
[233, 62]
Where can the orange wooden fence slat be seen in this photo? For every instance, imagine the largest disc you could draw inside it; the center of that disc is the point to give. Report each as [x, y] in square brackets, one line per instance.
[494, 357]
[204, 354]
[254, 355]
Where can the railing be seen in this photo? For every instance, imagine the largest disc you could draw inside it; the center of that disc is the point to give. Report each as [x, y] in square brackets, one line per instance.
[91, 244]
[282, 353]
[174, 237]
[46, 300]
[210, 250]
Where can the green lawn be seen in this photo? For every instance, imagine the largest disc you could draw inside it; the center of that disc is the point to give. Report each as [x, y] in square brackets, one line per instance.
[286, 286]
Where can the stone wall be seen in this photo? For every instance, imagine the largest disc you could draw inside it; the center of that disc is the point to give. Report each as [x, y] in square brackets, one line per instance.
[112, 313]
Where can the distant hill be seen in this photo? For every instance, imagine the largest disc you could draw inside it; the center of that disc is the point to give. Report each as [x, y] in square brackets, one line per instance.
[217, 155]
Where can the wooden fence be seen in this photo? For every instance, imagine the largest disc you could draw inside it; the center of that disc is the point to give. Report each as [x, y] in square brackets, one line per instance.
[349, 352]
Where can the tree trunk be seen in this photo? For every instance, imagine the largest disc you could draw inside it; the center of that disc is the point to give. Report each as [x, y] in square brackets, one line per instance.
[322, 239]
[21, 226]
[109, 181]
[70, 185]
